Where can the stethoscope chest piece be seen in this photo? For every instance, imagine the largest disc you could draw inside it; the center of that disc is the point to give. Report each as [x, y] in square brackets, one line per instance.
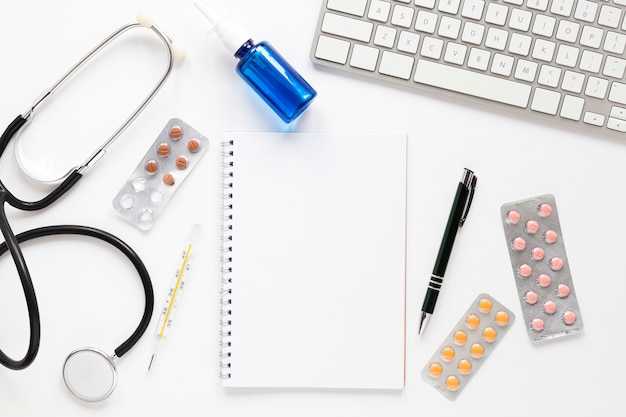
[90, 374]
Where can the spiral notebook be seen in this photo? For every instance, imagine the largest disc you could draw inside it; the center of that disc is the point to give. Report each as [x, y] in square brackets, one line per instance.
[314, 260]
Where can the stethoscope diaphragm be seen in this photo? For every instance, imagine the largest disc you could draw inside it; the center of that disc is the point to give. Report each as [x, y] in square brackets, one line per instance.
[90, 374]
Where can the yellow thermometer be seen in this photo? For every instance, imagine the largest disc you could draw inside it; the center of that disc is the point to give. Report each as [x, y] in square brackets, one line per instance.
[174, 294]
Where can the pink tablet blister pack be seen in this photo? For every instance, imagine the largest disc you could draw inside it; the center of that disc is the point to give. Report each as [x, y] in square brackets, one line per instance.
[540, 268]
[468, 345]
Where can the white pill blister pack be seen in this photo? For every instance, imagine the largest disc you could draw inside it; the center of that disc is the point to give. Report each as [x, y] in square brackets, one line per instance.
[540, 268]
[160, 172]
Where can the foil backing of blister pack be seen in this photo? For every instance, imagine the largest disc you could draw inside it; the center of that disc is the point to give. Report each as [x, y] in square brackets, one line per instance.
[541, 269]
[167, 162]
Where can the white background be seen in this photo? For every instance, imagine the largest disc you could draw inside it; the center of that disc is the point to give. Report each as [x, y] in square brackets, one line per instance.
[88, 294]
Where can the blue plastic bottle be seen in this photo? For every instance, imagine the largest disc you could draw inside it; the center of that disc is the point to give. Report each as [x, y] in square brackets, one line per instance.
[264, 69]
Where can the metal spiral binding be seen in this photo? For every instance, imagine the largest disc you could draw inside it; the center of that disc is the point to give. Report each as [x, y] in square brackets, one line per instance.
[227, 257]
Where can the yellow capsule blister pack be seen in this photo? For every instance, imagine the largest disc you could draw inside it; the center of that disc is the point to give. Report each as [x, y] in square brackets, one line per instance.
[468, 345]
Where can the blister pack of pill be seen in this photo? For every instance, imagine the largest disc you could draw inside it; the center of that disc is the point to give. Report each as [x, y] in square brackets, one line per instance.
[168, 161]
[540, 268]
[468, 345]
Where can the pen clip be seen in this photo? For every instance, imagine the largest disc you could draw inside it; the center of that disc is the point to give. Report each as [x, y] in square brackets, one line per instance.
[472, 179]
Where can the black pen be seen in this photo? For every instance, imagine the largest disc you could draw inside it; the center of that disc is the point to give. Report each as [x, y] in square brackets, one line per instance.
[458, 214]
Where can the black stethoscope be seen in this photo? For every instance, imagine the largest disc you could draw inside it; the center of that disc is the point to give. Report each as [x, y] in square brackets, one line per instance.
[89, 373]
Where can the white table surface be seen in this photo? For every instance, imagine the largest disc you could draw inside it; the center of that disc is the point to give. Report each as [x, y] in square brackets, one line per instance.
[89, 296]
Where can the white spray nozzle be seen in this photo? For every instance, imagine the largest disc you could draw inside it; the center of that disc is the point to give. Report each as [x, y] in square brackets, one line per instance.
[231, 35]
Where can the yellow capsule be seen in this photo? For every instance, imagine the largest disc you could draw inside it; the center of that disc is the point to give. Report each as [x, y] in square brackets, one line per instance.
[472, 321]
[460, 337]
[502, 318]
[477, 351]
[435, 370]
[465, 367]
[489, 334]
[484, 305]
[452, 383]
[447, 353]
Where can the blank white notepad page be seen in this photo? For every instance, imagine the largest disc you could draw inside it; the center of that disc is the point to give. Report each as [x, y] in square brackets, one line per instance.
[318, 260]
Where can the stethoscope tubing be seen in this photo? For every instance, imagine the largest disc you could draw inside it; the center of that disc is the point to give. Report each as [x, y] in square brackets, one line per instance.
[107, 237]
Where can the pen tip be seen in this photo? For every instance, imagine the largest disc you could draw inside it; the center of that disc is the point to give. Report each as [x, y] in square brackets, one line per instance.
[151, 362]
[423, 322]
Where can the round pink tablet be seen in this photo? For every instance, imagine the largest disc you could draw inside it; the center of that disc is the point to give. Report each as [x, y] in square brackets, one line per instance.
[532, 227]
[550, 236]
[556, 263]
[524, 271]
[544, 280]
[518, 243]
[531, 298]
[537, 254]
[562, 291]
[513, 217]
[537, 325]
[544, 210]
[569, 317]
[549, 307]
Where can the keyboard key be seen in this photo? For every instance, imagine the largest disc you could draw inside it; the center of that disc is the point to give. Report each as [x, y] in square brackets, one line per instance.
[473, 9]
[614, 67]
[425, 3]
[385, 36]
[502, 65]
[332, 49]
[572, 107]
[520, 19]
[396, 65]
[364, 57]
[616, 124]
[526, 70]
[591, 36]
[455, 53]
[379, 10]
[473, 33]
[449, 6]
[609, 16]
[426, 22]
[618, 112]
[478, 59]
[545, 101]
[573, 81]
[541, 5]
[614, 42]
[355, 7]
[586, 11]
[432, 47]
[544, 25]
[472, 83]
[496, 14]
[402, 16]
[618, 93]
[549, 76]
[594, 119]
[562, 7]
[596, 87]
[347, 27]
[408, 42]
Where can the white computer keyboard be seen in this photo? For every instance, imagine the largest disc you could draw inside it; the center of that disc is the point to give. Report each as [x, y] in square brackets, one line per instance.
[559, 59]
